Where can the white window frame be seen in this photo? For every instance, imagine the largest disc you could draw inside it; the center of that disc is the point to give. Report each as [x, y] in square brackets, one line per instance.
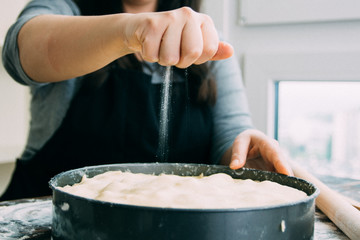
[259, 12]
[263, 70]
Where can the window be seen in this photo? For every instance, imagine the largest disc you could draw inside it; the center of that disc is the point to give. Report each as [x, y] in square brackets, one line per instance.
[318, 125]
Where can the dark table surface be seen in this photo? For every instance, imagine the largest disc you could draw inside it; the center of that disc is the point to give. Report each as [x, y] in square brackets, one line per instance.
[31, 218]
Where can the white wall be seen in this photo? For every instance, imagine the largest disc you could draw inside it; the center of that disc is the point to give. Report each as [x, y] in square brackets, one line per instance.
[14, 114]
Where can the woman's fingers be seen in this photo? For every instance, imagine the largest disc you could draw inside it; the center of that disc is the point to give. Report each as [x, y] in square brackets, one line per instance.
[200, 41]
[169, 52]
[150, 42]
[277, 159]
[240, 150]
[225, 50]
[210, 40]
[272, 153]
[181, 37]
[256, 150]
[192, 45]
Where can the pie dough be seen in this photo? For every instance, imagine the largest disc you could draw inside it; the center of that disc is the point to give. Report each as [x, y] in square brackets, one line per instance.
[217, 191]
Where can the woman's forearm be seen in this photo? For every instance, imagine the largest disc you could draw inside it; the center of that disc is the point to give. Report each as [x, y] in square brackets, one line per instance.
[55, 47]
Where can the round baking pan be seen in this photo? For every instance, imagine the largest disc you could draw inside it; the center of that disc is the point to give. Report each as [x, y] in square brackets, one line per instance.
[76, 217]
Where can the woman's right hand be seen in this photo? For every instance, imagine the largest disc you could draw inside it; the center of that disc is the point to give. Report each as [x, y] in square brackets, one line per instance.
[180, 37]
[55, 47]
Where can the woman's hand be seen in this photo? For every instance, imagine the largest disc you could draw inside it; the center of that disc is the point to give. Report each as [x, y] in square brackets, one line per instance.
[253, 149]
[179, 37]
[56, 47]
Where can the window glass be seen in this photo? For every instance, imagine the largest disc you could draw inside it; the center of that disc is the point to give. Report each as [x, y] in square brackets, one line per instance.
[318, 125]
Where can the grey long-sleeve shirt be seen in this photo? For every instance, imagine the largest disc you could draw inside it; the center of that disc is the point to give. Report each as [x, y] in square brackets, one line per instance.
[50, 101]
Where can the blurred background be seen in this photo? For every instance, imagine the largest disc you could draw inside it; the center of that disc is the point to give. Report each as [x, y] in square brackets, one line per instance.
[301, 66]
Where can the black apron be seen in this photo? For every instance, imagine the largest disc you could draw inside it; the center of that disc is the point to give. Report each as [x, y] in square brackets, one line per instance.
[116, 122]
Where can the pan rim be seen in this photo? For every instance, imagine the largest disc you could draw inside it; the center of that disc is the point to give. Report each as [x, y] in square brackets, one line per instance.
[84, 170]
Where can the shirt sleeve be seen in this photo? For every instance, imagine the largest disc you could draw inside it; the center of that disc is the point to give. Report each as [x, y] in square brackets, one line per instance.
[10, 52]
[231, 112]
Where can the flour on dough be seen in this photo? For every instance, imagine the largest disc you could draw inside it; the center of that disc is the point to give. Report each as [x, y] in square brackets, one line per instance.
[217, 191]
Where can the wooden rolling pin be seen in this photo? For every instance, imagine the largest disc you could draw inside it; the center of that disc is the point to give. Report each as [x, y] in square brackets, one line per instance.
[333, 205]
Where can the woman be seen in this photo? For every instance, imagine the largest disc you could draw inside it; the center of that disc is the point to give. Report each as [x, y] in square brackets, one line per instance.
[95, 71]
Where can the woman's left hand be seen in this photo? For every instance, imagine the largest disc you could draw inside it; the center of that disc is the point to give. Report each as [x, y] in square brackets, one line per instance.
[253, 149]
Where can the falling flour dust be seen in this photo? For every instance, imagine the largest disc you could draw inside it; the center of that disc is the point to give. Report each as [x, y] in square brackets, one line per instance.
[164, 116]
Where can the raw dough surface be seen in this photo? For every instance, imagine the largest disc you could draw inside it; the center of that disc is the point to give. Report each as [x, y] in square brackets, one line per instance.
[217, 191]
